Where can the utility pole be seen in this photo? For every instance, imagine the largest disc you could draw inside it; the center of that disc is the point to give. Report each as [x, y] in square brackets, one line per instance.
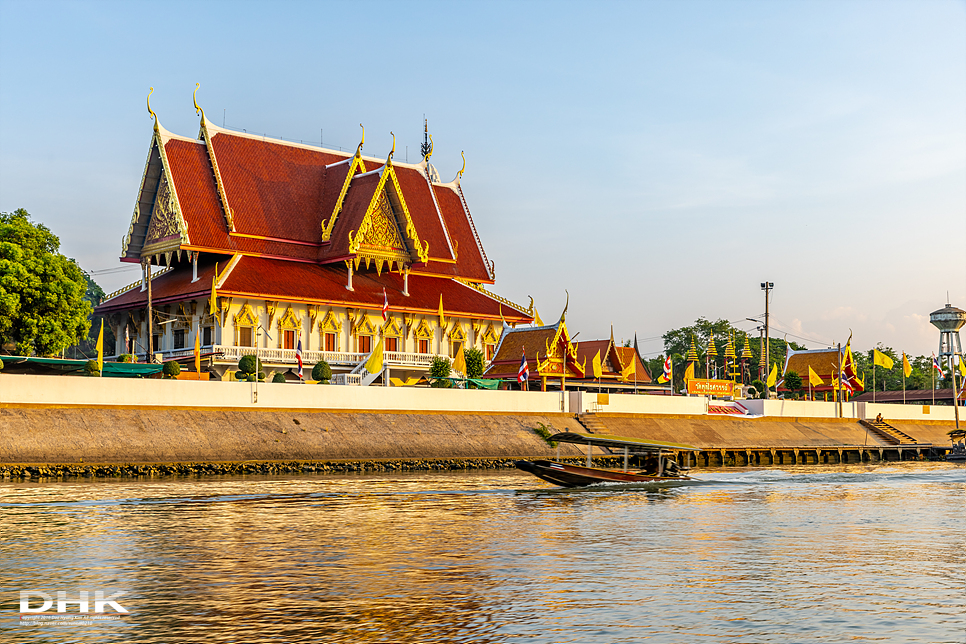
[838, 385]
[767, 287]
[147, 276]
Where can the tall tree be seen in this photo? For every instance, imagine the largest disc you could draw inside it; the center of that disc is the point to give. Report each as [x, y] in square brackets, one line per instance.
[42, 305]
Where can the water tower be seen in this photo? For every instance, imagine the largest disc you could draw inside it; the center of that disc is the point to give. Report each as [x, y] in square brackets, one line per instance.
[949, 321]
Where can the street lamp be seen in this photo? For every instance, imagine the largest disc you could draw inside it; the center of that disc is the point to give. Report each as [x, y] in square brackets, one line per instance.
[767, 287]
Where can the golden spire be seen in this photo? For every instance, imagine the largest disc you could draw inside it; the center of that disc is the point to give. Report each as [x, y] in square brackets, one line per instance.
[712, 350]
[693, 351]
[150, 111]
[746, 352]
[730, 349]
[198, 109]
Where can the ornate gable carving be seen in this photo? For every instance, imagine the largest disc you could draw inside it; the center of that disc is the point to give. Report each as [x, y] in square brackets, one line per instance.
[457, 334]
[330, 323]
[383, 233]
[374, 240]
[165, 227]
[364, 326]
[289, 320]
[490, 336]
[246, 316]
[423, 330]
[391, 328]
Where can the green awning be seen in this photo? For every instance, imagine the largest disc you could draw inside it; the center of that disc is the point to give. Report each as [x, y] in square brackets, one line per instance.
[111, 369]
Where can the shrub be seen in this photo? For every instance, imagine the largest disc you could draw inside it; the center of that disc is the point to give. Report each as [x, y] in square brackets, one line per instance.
[171, 369]
[322, 372]
[279, 377]
[793, 382]
[91, 368]
[439, 371]
[125, 357]
[249, 364]
[474, 362]
[1, 365]
[759, 388]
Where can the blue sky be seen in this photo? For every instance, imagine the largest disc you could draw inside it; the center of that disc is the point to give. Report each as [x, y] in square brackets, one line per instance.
[658, 160]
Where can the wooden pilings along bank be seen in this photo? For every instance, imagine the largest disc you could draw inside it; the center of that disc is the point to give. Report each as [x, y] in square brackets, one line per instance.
[834, 455]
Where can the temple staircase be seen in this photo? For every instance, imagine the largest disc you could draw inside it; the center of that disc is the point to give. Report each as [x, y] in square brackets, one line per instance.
[591, 423]
[365, 377]
[888, 433]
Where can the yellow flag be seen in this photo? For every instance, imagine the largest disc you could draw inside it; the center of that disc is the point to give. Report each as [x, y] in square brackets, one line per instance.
[813, 378]
[374, 363]
[962, 367]
[214, 297]
[598, 369]
[906, 367]
[198, 351]
[689, 372]
[881, 359]
[536, 317]
[661, 379]
[442, 319]
[100, 350]
[629, 370]
[459, 362]
[772, 376]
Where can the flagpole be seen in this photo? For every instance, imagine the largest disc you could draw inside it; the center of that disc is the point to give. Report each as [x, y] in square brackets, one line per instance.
[838, 389]
[903, 377]
[932, 369]
[873, 375]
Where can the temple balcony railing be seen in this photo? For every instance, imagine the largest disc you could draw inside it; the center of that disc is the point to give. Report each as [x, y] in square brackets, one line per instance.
[272, 356]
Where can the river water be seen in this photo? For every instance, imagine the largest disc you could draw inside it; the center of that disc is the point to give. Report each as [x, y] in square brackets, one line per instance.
[800, 554]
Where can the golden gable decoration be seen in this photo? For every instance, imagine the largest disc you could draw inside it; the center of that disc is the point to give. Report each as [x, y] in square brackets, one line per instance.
[330, 323]
[246, 316]
[423, 330]
[364, 326]
[456, 334]
[289, 320]
[391, 328]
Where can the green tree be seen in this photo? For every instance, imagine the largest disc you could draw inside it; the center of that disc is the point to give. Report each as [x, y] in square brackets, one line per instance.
[793, 382]
[322, 372]
[474, 363]
[439, 370]
[171, 369]
[42, 306]
[88, 346]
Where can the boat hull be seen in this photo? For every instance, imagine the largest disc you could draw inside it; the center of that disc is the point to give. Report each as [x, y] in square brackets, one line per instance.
[578, 476]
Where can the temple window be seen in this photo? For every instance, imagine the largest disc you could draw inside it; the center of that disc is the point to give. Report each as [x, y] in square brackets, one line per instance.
[331, 342]
[423, 345]
[454, 348]
[157, 342]
[206, 335]
[246, 336]
[179, 338]
[365, 344]
[490, 350]
[288, 339]
[392, 343]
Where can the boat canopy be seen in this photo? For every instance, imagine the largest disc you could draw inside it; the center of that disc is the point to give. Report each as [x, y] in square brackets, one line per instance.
[605, 440]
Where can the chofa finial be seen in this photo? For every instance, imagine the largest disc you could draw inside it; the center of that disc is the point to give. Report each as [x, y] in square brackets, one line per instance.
[393, 151]
[363, 141]
[150, 111]
[198, 109]
[459, 175]
[429, 153]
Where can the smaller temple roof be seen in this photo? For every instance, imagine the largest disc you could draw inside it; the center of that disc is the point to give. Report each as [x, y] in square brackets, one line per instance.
[823, 361]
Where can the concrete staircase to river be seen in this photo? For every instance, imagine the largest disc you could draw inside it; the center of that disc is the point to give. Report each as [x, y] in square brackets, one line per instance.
[888, 433]
[591, 423]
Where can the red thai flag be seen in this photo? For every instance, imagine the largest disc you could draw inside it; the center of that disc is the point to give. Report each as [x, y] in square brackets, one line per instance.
[524, 373]
[385, 305]
[298, 355]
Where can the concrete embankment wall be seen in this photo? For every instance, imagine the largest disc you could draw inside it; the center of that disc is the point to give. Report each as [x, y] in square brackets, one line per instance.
[50, 419]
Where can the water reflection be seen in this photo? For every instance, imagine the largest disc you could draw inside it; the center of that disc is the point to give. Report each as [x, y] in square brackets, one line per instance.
[804, 554]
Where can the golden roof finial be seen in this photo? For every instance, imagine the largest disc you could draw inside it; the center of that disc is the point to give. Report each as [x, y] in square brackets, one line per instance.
[150, 111]
[459, 175]
[563, 315]
[430, 153]
[198, 109]
[393, 151]
[362, 142]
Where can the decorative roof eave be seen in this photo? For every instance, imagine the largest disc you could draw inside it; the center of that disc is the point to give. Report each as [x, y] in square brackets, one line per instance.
[386, 173]
[502, 300]
[207, 136]
[159, 138]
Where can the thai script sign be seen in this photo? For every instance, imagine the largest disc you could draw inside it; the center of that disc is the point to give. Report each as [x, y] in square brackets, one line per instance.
[711, 387]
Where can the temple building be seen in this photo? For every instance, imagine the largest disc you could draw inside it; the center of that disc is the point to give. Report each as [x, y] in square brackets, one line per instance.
[268, 244]
[554, 360]
[825, 363]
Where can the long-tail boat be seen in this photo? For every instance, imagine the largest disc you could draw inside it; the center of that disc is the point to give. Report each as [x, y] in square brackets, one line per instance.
[658, 467]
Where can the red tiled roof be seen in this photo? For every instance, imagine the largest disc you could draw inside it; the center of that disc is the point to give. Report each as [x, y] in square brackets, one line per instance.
[275, 190]
[354, 208]
[470, 263]
[422, 209]
[513, 342]
[272, 279]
